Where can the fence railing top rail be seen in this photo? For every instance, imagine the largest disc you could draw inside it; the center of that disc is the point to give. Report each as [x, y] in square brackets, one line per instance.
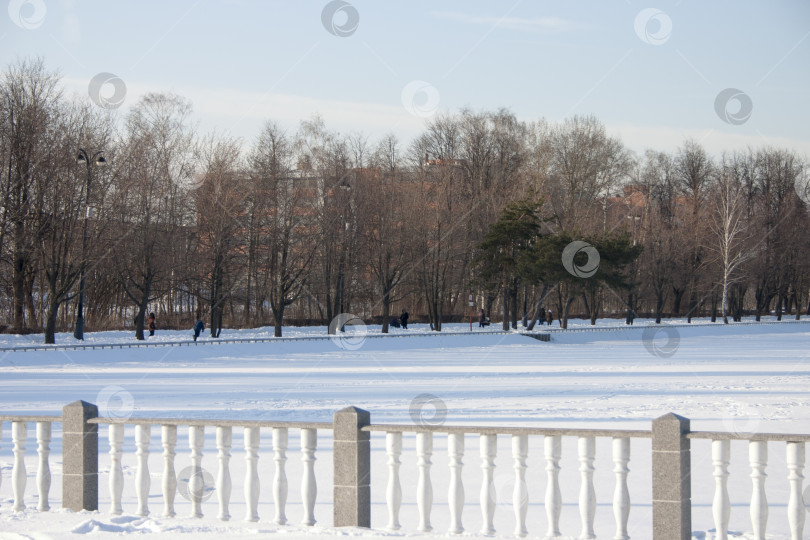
[29, 418]
[540, 329]
[211, 422]
[732, 436]
[496, 430]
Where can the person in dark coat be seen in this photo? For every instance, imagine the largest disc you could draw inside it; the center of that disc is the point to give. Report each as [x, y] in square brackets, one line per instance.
[482, 319]
[199, 326]
[403, 319]
[549, 318]
[151, 324]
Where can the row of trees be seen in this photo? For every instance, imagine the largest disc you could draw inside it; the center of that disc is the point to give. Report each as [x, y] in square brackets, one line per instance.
[311, 224]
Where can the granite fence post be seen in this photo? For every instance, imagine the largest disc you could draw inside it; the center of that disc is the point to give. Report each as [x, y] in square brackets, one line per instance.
[79, 457]
[352, 460]
[671, 478]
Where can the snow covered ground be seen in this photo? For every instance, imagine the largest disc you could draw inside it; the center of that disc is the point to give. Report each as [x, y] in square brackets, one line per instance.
[733, 378]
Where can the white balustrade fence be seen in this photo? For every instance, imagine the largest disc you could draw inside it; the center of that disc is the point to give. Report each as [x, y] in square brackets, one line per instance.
[536, 453]
[546, 443]
[197, 487]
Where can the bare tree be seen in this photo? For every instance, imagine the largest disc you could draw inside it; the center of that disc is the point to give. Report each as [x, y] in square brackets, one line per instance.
[153, 169]
[694, 172]
[730, 229]
[29, 95]
[289, 226]
[585, 165]
[219, 204]
[384, 213]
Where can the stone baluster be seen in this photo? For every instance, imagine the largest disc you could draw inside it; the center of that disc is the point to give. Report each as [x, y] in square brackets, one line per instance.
[796, 508]
[520, 494]
[552, 446]
[424, 488]
[19, 432]
[280, 478]
[455, 495]
[393, 493]
[224, 440]
[487, 499]
[758, 457]
[168, 437]
[587, 493]
[621, 495]
[309, 488]
[143, 434]
[252, 474]
[721, 505]
[196, 481]
[115, 433]
[44, 469]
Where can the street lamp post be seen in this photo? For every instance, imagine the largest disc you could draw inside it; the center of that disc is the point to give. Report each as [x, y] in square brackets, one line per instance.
[346, 188]
[98, 160]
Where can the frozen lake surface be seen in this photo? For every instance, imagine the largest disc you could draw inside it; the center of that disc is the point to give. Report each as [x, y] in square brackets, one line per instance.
[733, 378]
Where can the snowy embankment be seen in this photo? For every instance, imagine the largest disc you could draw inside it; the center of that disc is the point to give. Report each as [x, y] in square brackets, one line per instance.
[732, 378]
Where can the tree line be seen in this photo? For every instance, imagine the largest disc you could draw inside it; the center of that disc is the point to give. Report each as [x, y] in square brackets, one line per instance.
[299, 227]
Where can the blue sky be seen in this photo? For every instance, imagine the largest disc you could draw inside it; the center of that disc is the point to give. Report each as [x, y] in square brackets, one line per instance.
[650, 72]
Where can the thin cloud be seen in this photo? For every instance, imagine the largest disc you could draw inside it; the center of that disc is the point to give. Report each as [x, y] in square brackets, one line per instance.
[522, 24]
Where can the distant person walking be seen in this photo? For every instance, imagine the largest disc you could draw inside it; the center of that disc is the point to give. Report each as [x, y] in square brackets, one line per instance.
[549, 318]
[199, 326]
[403, 319]
[482, 319]
[151, 324]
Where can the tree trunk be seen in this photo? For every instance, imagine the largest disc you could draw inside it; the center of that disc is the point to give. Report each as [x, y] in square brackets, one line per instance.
[143, 304]
[676, 301]
[513, 304]
[505, 322]
[564, 319]
[692, 306]
[659, 305]
[525, 306]
[139, 317]
[278, 320]
[386, 311]
[538, 311]
[18, 290]
[50, 321]
[760, 297]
